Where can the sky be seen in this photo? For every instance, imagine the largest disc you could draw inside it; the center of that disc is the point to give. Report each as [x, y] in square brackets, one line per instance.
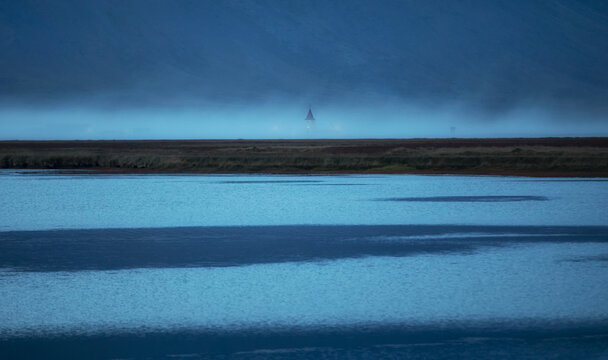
[171, 69]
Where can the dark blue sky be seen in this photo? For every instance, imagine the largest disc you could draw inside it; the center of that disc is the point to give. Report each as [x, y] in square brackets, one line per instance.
[242, 62]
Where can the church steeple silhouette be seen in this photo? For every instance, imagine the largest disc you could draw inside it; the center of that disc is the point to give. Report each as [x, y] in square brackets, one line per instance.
[310, 118]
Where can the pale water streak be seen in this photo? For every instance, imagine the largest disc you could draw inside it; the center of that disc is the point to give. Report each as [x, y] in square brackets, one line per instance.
[34, 201]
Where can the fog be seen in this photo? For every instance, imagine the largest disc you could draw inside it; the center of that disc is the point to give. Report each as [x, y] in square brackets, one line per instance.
[276, 120]
[140, 69]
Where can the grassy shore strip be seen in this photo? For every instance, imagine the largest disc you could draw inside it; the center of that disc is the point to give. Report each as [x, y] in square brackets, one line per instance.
[516, 156]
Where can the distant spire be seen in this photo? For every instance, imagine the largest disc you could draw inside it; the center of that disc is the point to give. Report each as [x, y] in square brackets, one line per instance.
[310, 116]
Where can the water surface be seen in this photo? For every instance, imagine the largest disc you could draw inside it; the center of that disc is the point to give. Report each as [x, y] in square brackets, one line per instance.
[34, 201]
[305, 267]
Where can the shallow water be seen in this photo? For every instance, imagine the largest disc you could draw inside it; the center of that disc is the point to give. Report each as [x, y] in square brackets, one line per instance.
[306, 267]
[523, 282]
[34, 201]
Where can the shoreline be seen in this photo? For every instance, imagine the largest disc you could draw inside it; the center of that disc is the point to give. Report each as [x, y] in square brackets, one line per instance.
[532, 174]
[533, 157]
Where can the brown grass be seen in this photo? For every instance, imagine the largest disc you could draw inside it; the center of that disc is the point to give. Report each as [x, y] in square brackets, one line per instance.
[534, 157]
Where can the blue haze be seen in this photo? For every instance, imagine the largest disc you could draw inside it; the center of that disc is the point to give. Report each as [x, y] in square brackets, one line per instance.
[205, 69]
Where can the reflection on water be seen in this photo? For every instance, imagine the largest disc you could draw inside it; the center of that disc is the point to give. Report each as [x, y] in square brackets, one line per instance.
[468, 198]
[267, 181]
[163, 266]
[566, 180]
[35, 202]
[602, 257]
[490, 341]
[107, 249]
[516, 283]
